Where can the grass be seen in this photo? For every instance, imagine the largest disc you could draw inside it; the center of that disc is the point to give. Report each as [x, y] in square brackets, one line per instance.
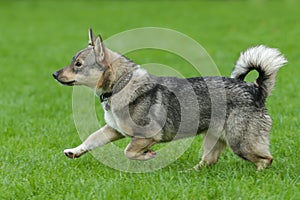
[39, 37]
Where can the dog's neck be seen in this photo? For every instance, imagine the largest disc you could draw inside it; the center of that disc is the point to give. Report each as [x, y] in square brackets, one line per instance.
[117, 87]
[120, 77]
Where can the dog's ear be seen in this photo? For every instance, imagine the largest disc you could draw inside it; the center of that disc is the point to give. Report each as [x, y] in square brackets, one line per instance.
[99, 49]
[91, 37]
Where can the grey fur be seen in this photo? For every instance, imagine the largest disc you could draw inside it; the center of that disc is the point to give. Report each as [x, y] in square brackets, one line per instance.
[152, 109]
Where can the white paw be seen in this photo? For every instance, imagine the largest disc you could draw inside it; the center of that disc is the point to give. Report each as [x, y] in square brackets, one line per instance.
[75, 152]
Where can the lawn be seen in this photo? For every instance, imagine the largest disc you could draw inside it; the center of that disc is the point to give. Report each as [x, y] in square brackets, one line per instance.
[36, 115]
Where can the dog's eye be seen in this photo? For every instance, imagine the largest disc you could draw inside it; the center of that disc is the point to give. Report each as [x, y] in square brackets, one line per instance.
[78, 64]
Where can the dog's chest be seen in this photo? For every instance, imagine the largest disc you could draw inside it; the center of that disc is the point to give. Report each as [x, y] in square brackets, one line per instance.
[110, 120]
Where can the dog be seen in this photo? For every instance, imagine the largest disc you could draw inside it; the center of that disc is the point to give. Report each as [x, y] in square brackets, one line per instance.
[151, 109]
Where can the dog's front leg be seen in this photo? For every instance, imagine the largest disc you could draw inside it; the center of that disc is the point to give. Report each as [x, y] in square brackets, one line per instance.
[104, 135]
[138, 149]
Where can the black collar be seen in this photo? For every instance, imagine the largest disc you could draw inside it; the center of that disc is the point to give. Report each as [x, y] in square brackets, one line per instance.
[105, 96]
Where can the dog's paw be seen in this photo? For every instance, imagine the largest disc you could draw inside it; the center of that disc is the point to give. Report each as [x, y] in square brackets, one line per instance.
[201, 164]
[70, 153]
[264, 163]
[73, 153]
[149, 154]
[146, 155]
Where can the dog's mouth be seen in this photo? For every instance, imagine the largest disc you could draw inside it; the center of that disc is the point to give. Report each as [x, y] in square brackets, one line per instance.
[68, 83]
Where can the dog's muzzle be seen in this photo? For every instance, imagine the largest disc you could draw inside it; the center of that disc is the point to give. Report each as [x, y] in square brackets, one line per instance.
[69, 83]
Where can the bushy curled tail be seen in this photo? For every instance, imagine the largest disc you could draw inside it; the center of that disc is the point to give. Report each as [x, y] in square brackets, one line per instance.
[266, 61]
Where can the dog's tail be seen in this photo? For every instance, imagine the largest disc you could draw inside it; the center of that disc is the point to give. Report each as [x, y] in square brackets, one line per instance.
[266, 61]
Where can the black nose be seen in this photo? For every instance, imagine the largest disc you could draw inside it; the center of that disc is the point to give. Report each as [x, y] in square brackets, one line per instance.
[55, 75]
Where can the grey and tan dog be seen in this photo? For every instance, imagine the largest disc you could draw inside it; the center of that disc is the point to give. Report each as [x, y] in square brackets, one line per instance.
[151, 109]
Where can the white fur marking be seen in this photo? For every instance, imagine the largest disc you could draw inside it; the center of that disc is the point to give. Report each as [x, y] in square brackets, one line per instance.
[260, 57]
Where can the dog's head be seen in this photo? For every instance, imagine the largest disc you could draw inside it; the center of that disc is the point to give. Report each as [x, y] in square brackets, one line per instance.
[90, 66]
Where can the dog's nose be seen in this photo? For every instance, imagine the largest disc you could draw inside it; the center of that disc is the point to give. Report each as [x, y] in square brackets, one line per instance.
[55, 75]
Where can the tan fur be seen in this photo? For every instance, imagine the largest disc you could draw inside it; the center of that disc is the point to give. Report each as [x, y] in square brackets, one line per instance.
[105, 79]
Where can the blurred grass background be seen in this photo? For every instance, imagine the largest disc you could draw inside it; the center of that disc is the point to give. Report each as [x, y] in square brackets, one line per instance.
[39, 37]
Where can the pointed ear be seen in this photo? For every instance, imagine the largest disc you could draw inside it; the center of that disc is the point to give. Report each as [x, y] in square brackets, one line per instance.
[99, 49]
[91, 37]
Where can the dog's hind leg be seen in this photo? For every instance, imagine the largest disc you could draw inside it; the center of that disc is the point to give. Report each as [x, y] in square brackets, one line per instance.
[138, 149]
[99, 138]
[249, 138]
[212, 148]
[255, 150]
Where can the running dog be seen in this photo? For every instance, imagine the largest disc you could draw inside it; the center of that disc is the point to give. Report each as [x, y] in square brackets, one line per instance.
[151, 109]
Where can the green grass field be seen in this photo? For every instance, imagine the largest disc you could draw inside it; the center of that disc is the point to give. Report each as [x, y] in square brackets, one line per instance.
[39, 37]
